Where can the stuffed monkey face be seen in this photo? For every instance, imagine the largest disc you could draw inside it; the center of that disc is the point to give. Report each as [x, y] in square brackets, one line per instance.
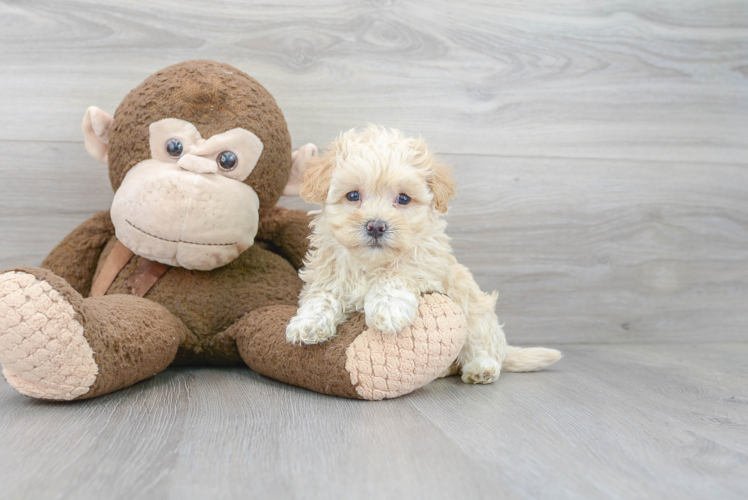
[197, 154]
[167, 207]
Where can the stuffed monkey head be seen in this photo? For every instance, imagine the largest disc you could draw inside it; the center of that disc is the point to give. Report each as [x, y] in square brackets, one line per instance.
[197, 153]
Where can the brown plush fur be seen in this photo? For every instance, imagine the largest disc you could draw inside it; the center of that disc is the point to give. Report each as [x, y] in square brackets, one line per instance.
[208, 302]
[286, 232]
[265, 349]
[215, 98]
[79, 252]
[199, 316]
[131, 338]
[201, 313]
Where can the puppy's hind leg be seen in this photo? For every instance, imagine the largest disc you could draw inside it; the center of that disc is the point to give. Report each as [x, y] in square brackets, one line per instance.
[483, 353]
[484, 350]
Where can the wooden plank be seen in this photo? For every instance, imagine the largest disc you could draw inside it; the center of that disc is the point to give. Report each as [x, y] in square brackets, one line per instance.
[609, 421]
[623, 80]
[626, 421]
[600, 250]
[46, 190]
[580, 250]
[600, 150]
[606, 251]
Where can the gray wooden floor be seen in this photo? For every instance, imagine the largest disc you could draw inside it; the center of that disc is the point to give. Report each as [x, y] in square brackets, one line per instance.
[612, 421]
[601, 153]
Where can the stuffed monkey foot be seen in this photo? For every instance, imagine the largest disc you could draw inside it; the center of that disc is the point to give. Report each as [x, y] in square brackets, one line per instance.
[56, 345]
[358, 363]
[42, 348]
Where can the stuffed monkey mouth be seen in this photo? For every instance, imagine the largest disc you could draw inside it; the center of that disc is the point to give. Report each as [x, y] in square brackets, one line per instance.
[184, 219]
[179, 241]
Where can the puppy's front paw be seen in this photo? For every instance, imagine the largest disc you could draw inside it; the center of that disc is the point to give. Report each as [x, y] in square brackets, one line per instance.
[390, 314]
[481, 370]
[310, 329]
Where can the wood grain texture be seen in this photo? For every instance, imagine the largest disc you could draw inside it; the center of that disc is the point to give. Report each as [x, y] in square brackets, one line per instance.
[624, 79]
[602, 159]
[579, 250]
[609, 421]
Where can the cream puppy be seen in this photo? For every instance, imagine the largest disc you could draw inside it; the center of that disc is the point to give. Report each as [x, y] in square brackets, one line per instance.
[379, 242]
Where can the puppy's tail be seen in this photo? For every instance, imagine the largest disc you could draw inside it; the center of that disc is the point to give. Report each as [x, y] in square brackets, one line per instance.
[529, 359]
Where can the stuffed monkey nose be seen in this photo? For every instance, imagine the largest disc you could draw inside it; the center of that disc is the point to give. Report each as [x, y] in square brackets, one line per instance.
[198, 164]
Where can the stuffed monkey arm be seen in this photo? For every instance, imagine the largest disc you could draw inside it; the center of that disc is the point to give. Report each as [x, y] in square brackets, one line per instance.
[287, 233]
[76, 256]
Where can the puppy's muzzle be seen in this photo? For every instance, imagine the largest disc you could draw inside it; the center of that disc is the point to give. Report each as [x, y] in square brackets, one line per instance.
[376, 228]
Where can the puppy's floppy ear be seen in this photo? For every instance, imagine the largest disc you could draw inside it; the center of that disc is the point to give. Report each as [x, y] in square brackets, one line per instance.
[443, 186]
[317, 178]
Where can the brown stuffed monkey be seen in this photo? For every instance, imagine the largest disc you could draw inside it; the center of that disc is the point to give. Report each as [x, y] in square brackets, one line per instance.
[194, 263]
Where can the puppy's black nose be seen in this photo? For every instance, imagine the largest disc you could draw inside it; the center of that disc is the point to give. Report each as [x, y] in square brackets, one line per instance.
[376, 228]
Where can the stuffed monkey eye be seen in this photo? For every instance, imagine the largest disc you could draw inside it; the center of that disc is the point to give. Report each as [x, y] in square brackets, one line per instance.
[353, 196]
[227, 160]
[403, 199]
[174, 148]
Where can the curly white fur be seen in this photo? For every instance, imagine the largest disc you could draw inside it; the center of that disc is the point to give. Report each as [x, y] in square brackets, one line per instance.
[348, 270]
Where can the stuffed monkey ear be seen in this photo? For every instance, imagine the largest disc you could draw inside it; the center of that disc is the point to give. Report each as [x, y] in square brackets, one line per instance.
[443, 186]
[96, 127]
[298, 167]
[317, 178]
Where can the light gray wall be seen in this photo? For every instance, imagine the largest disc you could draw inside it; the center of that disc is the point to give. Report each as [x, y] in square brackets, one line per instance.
[600, 147]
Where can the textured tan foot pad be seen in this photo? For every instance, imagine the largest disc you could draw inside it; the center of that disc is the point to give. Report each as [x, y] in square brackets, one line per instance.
[42, 348]
[387, 366]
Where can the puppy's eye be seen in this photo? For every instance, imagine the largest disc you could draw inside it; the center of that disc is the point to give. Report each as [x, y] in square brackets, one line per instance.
[227, 160]
[353, 196]
[174, 148]
[403, 199]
